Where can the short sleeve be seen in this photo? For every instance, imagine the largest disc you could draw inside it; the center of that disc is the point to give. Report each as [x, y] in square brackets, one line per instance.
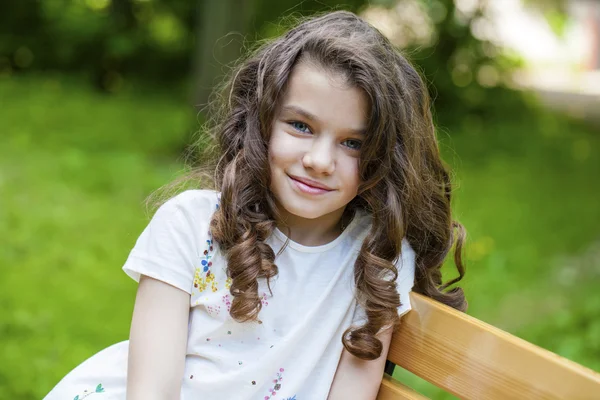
[404, 283]
[167, 249]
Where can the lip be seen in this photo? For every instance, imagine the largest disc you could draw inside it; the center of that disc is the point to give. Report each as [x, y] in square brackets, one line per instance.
[311, 183]
[306, 189]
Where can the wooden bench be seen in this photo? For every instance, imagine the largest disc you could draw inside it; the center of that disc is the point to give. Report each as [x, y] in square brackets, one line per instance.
[473, 360]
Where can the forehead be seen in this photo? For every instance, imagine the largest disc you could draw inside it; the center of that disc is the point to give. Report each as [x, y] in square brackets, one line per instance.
[327, 96]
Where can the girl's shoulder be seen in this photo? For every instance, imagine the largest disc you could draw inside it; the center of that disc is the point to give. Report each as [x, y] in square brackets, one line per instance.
[194, 197]
[173, 244]
[195, 203]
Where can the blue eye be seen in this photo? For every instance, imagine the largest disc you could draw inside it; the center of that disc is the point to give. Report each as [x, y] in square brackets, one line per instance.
[300, 126]
[355, 144]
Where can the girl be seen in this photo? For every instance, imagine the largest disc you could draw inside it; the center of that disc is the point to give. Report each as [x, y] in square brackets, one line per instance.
[286, 283]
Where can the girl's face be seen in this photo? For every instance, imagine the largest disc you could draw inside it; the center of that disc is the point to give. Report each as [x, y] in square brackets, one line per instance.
[317, 136]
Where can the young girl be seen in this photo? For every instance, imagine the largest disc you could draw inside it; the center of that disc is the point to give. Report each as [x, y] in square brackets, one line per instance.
[286, 282]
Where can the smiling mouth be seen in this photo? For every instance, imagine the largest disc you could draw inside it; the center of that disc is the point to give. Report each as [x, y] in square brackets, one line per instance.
[310, 183]
[306, 188]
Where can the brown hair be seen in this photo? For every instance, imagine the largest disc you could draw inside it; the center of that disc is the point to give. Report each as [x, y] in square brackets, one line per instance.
[405, 186]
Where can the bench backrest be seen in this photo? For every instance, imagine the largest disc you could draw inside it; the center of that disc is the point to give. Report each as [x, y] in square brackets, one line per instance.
[474, 360]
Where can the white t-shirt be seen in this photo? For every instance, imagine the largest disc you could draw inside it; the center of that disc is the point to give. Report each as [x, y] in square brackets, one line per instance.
[293, 354]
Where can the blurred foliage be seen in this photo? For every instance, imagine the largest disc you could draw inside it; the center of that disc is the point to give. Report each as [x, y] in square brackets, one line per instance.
[161, 42]
[465, 72]
[104, 39]
[554, 11]
[113, 39]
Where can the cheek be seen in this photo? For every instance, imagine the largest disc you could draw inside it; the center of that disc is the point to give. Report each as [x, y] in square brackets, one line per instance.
[282, 149]
[350, 166]
[274, 147]
[350, 169]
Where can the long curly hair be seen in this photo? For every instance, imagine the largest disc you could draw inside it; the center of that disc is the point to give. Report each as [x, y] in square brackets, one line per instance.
[405, 186]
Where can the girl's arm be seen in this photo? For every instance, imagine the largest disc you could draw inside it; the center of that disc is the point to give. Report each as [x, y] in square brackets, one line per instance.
[157, 342]
[359, 379]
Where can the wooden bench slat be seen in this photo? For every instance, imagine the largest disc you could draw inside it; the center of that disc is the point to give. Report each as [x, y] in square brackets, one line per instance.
[474, 360]
[393, 390]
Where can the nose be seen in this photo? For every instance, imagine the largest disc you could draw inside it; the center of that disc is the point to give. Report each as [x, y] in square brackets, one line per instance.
[321, 156]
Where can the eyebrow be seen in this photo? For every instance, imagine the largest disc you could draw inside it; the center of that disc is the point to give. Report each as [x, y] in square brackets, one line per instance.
[314, 118]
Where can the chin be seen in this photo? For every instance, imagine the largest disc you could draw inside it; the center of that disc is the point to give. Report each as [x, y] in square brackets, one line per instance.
[305, 212]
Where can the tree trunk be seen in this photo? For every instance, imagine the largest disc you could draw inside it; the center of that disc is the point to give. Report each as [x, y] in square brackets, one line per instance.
[221, 29]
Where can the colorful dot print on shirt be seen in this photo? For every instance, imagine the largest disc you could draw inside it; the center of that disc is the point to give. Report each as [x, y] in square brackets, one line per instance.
[227, 302]
[213, 310]
[276, 386]
[203, 277]
[206, 264]
[263, 299]
[199, 282]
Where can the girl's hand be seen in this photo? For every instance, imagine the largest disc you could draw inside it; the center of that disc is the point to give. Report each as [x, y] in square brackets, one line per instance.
[157, 342]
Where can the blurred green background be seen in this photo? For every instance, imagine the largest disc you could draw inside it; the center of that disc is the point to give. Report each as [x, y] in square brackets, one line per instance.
[100, 98]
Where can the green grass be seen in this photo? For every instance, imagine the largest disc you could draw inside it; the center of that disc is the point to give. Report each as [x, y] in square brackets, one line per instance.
[76, 166]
